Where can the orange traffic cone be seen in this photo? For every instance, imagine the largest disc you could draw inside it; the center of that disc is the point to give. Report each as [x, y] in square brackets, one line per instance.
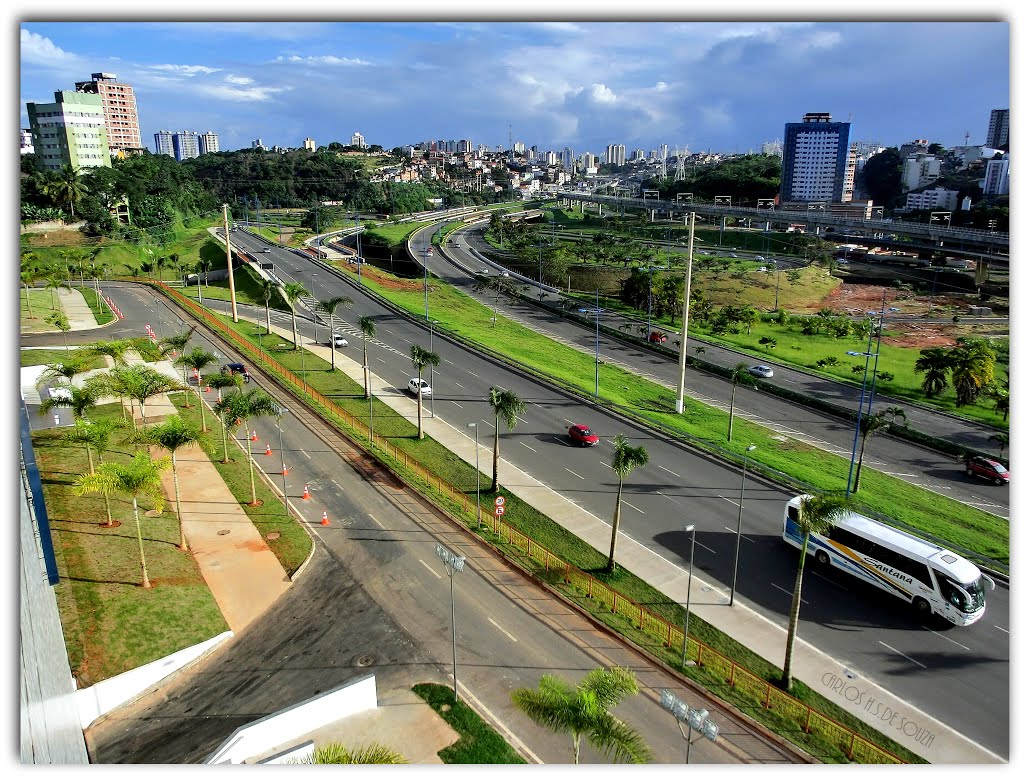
[269, 452]
[324, 521]
[207, 389]
[284, 470]
[254, 437]
[305, 493]
[238, 422]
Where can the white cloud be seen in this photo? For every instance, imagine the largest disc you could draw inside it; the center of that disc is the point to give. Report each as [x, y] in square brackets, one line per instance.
[256, 94]
[599, 93]
[241, 80]
[39, 50]
[328, 59]
[186, 70]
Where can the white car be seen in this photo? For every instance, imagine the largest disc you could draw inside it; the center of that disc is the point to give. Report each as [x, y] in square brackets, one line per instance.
[761, 371]
[419, 386]
[60, 393]
[340, 342]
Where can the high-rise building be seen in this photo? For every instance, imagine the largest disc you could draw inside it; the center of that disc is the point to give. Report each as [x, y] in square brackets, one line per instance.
[164, 142]
[568, 158]
[186, 145]
[997, 177]
[70, 130]
[816, 161]
[309, 144]
[358, 140]
[638, 155]
[209, 143]
[615, 154]
[999, 129]
[120, 113]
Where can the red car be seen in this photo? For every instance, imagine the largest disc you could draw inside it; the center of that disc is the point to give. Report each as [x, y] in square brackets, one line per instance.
[658, 337]
[988, 468]
[581, 435]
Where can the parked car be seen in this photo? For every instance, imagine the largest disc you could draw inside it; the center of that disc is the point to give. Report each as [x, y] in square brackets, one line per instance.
[582, 435]
[236, 368]
[658, 337]
[761, 371]
[340, 341]
[988, 468]
[418, 386]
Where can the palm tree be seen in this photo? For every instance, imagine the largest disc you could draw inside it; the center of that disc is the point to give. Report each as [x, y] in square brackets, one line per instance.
[1001, 398]
[170, 435]
[177, 343]
[80, 400]
[95, 435]
[222, 382]
[140, 477]
[59, 320]
[815, 514]
[140, 382]
[65, 187]
[869, 425]
[507, 407]
[934, 363]
[897, 412]
[67, 368]
[583, 711]
[496, 286]
[421, 358]
[241, 406]
[330, 306]
[117, 350]
[337, 753]
[292, 292]
[972, 368]
[737, 375]
[368, 327]
[28, 280]
[265, 288]
[197, 359]
[625, 458]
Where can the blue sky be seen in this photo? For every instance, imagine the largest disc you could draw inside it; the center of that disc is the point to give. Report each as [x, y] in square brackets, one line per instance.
[722, 85]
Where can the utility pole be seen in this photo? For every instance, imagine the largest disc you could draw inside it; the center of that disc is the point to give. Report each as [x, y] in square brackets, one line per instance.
[680, 396]
[231, 273]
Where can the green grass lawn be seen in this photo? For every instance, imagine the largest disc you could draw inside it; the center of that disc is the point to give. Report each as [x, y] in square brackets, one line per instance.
[478, 742]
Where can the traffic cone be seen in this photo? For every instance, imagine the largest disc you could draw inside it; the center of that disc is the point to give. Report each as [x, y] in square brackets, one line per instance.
[269, 452]
[238, 422]
[207, 389]
[284, 470]
[255, 437]
[324, 521]
[305, 492]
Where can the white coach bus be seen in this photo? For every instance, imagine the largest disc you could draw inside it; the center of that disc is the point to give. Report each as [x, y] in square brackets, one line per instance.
[930, 578]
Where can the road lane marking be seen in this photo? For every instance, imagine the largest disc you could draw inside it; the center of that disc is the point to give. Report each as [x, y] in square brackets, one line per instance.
[527, 446]
[634, 507]
[574, 473]
[937, 634]
[458, 384]
[894, 650]
[455, 403]
[499, 628]
[431, 571]
[788, 593]
[668, 470]
[306, 455]
[1005, 631]
[727, 499]
[473, 373]
[606, 464]
[375, 520]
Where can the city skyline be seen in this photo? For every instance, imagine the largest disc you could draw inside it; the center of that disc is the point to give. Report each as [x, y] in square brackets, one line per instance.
[726, 86]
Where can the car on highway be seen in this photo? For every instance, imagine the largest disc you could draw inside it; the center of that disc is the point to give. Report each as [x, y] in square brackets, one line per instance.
[264, 250]
[583, 435]
[990, 469]
[236, 368]
[657, 337]
[340, 341]
[419, 387]
[761, 371]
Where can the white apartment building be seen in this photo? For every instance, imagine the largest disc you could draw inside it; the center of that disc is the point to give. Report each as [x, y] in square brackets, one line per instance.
[997, 177]
[932, 199]
[358, 140]
[615, 154]
[920, 170]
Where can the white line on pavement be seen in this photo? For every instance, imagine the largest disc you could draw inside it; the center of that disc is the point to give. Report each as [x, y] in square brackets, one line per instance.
[636, 508]
[371, 514]
[450, 400]
[499, 628]
[947, 638]
[304, 453]
[431, 571]
[894, 650]
[788, 593]
[575, 473]
[527, 446]
[668, 470]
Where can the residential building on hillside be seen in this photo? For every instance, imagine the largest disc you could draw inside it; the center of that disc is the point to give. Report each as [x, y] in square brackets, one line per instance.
[186, 145]
[358, 140]
[921, 170]
[615, 154]
[816, 162]
[70, 130]
[997, 177]
[309, 144]
[933, 199]
[209, 143]
[999, 128]
[120, 112]
[164, 142]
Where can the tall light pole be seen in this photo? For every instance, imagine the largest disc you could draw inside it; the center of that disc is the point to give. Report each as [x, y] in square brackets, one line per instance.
[369, 386]
[695, 719]
[452, 564]
[432, 322]
[476, 428]
[279, 412]
[689, 583]
[597, 340]
[874, 374]
[739, 525]
[426, 304]
[312, 288]
[231, 272]
[860, 407]
[680, 387]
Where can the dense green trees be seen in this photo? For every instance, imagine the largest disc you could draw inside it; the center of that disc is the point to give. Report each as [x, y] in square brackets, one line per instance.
[882, 176]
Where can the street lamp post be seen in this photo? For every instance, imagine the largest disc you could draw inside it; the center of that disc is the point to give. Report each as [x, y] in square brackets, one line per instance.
[452, 564]
[432, 388]
[597, 340]
[426, 303]
[279, 412]
[312, 288]
[860, 407]
[476, 429]
[739, 525]
[695, 719]
[689, 583]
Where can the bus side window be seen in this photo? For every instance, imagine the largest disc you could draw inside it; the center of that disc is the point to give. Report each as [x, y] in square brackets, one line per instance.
[794, 513]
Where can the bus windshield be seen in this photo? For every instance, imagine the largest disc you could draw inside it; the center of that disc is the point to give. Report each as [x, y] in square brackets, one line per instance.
[969, 597]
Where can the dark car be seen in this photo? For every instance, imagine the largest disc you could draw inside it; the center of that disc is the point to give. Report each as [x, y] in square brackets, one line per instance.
[988, 468]
[235, 368]
[582, 435]
[658, 337]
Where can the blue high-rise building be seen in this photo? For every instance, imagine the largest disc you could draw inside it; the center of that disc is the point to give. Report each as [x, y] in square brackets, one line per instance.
[816, 162]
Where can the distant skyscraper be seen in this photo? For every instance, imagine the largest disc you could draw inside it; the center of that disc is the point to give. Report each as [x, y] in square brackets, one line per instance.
[358, 140]
[772, 147]
[816, 162]
[615, 154]
[568, 158]
[999, 129]
[120, 113]
[186, 145]
[69, 131]
[638, 154]
[209, 143]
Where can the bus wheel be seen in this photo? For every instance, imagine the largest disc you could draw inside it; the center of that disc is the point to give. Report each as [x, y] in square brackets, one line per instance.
[822, 558]
[921, 606]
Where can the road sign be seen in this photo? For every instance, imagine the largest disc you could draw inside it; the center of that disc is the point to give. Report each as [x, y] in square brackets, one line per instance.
[449, 558]
[499, 510]
[499, 501]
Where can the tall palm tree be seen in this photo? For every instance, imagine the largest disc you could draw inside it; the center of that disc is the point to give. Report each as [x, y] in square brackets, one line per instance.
[737, 375]
[625, 458]
[177, 343]
[869, 425]
[337, 753]
[65, 187]
[265, 288]
[67, 368]
[28, 280]
[292, 292]
[95, 435]
[815, 514]
[507, 407]
[197, 359]
[60, 320]
[934, 363]
[219, 382]
[422, 358]
[972, 368]
[241, 406]
[329, 306]
[53, 283]
[140, 477]
[368, 326]
[140, 383]
[117, 350]
[496, 286]
[172, 435]
[582, 710]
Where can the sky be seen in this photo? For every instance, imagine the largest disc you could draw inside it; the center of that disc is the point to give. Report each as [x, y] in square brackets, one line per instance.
[578, 81]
